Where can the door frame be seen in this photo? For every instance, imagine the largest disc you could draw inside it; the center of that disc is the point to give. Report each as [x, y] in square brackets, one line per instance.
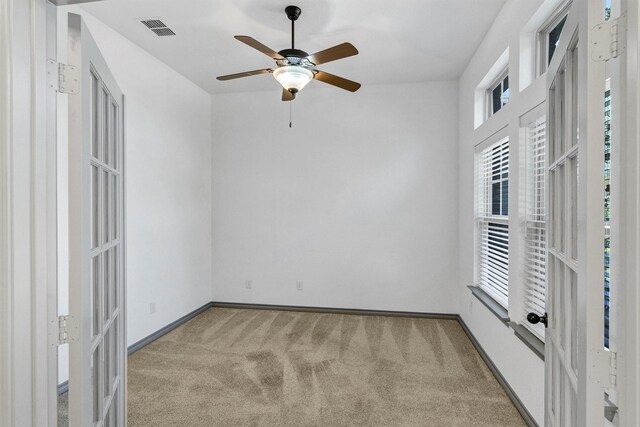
[28, 266]
[629, 322]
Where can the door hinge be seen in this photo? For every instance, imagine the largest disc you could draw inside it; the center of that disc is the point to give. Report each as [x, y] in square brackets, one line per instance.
[613, 369]
[63, 78]
[610, 408]
[67, 330]
[609, 39]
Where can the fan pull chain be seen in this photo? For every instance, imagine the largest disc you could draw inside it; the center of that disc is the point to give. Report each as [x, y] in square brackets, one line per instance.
[290, 115]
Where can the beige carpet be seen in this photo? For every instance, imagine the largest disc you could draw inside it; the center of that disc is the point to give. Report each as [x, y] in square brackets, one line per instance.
[236, 367]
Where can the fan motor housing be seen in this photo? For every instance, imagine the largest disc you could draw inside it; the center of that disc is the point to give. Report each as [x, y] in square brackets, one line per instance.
[296, 53]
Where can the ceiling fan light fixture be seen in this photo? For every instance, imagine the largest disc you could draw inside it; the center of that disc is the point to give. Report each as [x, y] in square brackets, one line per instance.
[293, 78]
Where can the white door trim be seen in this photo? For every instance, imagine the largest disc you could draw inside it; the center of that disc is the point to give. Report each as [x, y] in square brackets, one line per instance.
[25, 226]
[6, 380]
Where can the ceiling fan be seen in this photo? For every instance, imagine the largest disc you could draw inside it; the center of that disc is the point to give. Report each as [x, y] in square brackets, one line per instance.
[295, 68]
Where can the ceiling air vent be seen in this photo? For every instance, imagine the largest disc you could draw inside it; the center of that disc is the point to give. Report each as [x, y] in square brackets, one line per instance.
[157, 26]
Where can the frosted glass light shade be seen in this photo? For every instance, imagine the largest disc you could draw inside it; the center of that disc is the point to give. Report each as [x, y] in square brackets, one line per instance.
[293, 78]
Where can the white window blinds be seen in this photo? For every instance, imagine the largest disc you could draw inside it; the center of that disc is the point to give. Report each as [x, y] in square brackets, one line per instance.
[492, 221]
[535, 233]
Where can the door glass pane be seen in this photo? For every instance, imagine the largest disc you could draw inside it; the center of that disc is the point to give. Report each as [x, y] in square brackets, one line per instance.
[95, 206]
[107, 284]
[105, 126]
[95, 385]
[95, 294]
[106, 184]
[573, 163]
[95, 118]
[560, 301]
[551, 128]
[552, 210]
[574, 321]
[114, 350]
[114, 206]
[115, 278]
[114, 135]
[560, 211]
[113, 414]
[560, 114]
[107, 363]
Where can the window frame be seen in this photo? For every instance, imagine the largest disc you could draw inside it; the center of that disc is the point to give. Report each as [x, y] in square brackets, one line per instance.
[484, 219]
[498, 81]
[542, 37]
[534, 200]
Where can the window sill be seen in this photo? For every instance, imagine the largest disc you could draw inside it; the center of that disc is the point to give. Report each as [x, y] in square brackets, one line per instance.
[527, 337]
[499, 311]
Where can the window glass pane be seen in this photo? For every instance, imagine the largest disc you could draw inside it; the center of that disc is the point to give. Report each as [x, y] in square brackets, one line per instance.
[496, 97]
[495, 198]
[505, 198]
[554, 38]
[504, 98]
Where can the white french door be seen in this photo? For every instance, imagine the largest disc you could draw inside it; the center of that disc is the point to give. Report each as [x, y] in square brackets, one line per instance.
[96, 244]
[576, 368]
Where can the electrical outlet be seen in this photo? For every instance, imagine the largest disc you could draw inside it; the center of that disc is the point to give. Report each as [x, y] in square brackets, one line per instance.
[248, 284]
[299, 285]
[152, 308]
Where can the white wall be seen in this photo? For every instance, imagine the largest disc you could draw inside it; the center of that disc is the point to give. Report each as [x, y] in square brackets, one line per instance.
[168, 183]
[518, 364]
[358, 200]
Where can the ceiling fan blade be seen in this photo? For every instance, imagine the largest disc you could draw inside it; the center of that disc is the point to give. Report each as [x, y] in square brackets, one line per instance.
[245, 74]
[340, 82]
[340, 51]
[287, 96]
[259, 46]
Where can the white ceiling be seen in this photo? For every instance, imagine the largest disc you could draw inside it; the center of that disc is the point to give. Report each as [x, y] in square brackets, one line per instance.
[405, 41]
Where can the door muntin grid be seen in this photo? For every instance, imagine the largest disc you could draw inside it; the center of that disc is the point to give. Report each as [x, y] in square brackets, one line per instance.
[562, 274]
[105, 252]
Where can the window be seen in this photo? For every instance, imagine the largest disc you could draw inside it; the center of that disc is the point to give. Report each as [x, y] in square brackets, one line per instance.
[498, 94]
[492, 187]
[549, 37]
[535, 223]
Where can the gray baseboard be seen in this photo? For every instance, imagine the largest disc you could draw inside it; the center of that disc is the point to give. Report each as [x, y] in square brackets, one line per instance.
[170, 327]
[335, 310]
[62, 388]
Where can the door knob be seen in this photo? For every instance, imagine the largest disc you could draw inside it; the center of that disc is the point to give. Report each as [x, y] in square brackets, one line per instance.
[535, 319]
